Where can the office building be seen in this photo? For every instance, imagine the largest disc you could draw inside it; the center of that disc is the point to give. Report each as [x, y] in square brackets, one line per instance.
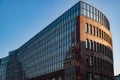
[76, 46]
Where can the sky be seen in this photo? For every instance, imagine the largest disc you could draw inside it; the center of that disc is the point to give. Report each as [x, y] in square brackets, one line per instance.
[20, 20]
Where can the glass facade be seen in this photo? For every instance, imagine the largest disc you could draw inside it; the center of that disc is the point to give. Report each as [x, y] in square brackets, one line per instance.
[54, 46]
[14, 69]
[46, 52]
[3, 65]
[94, 14]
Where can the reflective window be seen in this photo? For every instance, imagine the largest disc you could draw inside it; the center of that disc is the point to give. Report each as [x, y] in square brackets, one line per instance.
[87, 27]
[89, 76]
[87, 43]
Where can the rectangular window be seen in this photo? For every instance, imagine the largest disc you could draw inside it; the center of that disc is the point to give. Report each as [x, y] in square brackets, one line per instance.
[87, 27]
[103, 49]
[104, 35]
[98, 47]
[87, 43]
[85, 12]
[90, 29]
[90, 61]
[91, 44]
[87, 60]
[53, 78]
[94, 46]
[98, 66]
[93, 59]
[60, 78]
[95, 62]
[100, 33]
[89, 76]
[94, 30]
[101, 64]
[82, 11]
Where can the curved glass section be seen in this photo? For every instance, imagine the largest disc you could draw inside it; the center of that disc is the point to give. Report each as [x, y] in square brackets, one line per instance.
[94, 14]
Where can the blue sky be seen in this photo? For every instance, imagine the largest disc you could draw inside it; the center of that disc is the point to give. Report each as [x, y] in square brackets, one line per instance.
[20, 20]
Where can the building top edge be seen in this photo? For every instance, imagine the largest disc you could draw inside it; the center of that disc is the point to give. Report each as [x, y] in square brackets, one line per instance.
[47, 27]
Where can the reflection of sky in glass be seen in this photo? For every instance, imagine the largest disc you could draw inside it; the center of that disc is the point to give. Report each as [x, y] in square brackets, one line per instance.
[21, 20]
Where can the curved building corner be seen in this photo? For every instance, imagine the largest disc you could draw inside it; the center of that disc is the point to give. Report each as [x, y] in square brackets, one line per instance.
[75, 46]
